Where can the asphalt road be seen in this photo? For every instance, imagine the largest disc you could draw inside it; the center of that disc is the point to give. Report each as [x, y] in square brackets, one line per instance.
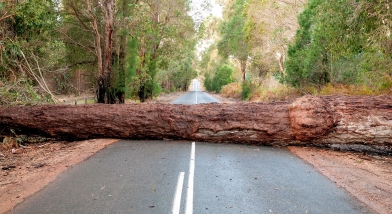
[184, 177]
[195, 96]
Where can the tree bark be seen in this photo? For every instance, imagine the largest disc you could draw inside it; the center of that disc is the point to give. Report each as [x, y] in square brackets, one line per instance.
[243, 69]
[104, 77]
[122, 52]
[307, 120]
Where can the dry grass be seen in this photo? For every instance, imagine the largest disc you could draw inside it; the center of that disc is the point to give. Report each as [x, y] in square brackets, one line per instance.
[270, 90]
[340, 89]
[232, 90]
[275, 94]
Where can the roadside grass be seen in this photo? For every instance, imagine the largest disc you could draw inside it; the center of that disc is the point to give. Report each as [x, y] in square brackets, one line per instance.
[271, 91]
[232, 90]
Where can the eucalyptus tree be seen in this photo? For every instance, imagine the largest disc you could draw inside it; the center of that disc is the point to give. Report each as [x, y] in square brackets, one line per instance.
[270, 27]
[95, 19]
[162, 29]
[234, 42]
[29, 43]
[345, 42]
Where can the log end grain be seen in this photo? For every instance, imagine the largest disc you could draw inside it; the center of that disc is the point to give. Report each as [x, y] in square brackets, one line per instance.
[310, 118]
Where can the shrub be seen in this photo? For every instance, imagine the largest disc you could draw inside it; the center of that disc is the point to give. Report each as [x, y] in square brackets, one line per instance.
[232, 90]
[246, 90]
[221, 78]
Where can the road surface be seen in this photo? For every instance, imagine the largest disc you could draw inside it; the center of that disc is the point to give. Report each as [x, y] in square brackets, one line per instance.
[191, 177]
[195, 96]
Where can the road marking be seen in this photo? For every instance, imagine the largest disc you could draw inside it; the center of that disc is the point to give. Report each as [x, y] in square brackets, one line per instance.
[195, 83]
[196, 98]
[177, 196]
[189, 194]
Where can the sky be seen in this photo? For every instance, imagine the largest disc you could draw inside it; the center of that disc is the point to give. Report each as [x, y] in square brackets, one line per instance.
[216, 10]
[202, 9]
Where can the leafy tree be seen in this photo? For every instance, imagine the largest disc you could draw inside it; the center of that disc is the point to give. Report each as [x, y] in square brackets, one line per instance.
[340, 42]
[222, 77]
[270, 27]
[96, 19]
[163, 30]
[30, 46]
[234, 42]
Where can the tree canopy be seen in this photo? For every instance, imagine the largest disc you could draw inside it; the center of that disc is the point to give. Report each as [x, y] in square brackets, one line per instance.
[120, 46]
[346, 42]
[135, 49]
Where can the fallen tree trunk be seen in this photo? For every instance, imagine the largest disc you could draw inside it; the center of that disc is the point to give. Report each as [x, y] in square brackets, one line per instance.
[307, 120]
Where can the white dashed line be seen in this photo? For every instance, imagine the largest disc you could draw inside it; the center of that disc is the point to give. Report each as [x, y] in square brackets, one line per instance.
[177, 196]
[189, 195]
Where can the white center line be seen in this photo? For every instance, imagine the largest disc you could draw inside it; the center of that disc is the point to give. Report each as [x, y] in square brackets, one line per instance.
[196, 98]
[177, 196]
[189, 194]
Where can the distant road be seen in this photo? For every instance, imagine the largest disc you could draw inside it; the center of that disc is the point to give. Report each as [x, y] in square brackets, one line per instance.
[195, 96]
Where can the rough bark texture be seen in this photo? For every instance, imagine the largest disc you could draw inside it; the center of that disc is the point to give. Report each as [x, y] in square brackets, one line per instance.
[307, 120]
[104, 77]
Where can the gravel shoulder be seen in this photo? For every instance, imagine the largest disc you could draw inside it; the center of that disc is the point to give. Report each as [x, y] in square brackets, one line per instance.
[367, 177]
[27, 170]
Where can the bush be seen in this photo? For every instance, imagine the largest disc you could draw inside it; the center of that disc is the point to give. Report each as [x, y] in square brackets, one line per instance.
[232, 90]
[246, 90]
[221, 78]
[157, 90]
[21, 92]
[208, 83]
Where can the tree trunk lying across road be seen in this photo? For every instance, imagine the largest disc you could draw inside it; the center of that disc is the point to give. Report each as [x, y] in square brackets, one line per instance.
[307, 120]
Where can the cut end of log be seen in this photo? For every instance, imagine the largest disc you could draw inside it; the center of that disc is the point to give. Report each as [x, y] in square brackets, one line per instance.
[310, 118]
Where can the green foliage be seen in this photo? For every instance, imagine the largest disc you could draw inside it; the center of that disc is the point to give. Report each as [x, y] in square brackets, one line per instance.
[34, 17]
[222, 77]
[234, 37]
[342, 42]
[166, 40]
[208, 84]
[21, 92]
[131, 64]
[246, 93]
[28, 28]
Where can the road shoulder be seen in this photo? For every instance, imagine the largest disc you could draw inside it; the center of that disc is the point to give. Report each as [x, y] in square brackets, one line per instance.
[27, 170]
[366, 177]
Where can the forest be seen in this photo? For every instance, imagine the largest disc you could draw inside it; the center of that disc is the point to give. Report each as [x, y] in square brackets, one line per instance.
[280, 49]
[258, 50]
[117, 49]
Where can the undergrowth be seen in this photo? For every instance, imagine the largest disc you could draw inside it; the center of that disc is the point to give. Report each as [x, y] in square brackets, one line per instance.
[21, 92]
[267, 92]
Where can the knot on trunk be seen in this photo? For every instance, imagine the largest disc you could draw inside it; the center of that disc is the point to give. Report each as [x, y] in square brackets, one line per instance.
[310, 118]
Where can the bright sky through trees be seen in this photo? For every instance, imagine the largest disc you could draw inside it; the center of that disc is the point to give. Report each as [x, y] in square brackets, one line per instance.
[201, 9]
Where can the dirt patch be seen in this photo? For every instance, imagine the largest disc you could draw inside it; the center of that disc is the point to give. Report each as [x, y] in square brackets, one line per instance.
[25, 171]
[367, 177]
[224, 99]
[165, 98]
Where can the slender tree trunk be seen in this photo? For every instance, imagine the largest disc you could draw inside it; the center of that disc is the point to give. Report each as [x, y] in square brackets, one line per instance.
[281, 63]
[331, 71]
[104, 79]
[98, 52]
[243, 68]
[123, 52]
